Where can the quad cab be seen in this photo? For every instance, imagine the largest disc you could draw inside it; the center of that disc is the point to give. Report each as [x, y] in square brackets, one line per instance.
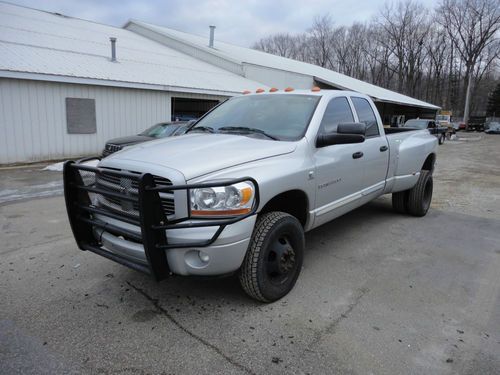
[238, 191]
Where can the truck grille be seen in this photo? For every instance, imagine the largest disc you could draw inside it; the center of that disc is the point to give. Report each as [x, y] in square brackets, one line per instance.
[110, 148]
[124, 186]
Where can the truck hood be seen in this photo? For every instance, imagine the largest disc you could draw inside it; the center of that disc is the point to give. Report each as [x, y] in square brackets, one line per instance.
[197, 154]
[130, 140]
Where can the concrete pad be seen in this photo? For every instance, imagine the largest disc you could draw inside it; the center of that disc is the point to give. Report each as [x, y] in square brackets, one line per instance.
[379, 293]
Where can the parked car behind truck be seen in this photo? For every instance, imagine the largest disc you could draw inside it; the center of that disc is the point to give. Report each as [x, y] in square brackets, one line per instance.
[240, 189]
[160, 130]
[440, 132]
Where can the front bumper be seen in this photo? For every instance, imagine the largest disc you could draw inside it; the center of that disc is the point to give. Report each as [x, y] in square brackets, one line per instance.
[152, 243]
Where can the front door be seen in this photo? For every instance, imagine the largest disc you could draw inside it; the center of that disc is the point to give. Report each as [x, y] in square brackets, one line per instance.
[339, 172]
[375, 148]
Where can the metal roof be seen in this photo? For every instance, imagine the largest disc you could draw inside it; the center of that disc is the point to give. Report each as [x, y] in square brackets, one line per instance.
[250, 56]
[42, 44]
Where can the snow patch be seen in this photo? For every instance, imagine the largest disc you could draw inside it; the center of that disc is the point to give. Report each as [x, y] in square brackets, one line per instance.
[58, 167]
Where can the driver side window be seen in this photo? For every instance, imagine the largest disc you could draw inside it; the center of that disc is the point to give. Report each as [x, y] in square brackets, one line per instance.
[337, 112]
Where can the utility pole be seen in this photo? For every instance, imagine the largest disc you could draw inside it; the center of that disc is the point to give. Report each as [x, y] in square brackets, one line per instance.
[467, 99]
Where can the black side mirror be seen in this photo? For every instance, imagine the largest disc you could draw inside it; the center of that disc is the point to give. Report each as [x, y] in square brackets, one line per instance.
[351, 128]
[338, 139]
[346, 133]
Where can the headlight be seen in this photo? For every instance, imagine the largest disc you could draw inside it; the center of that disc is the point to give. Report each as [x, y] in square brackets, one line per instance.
[232, 200]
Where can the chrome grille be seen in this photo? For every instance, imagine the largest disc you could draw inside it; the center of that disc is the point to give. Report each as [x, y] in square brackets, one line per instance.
[112, 147]
[128, 186]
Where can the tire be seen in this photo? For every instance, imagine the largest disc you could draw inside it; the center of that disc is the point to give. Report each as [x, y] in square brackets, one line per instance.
[441, 139]
[274, 257]
[400, 202]
[420, 196]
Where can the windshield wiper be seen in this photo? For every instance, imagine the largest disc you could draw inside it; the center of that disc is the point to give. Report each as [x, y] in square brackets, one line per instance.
[248, 130]
[207, 129]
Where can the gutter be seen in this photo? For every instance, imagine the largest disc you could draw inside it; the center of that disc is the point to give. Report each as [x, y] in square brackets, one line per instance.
[110, 83]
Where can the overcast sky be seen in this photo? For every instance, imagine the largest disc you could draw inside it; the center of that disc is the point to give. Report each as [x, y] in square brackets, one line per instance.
[240, 22]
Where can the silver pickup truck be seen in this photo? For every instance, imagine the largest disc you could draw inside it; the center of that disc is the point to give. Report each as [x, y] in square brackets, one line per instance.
[240, 189]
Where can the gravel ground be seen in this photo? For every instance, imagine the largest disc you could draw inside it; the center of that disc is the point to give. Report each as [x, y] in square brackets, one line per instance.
[379, 292]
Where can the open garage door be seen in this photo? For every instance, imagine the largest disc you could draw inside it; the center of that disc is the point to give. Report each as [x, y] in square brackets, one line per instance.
[184, 109]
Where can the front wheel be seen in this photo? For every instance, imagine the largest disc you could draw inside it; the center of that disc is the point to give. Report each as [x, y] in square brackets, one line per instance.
[442, 138]
[274, 258]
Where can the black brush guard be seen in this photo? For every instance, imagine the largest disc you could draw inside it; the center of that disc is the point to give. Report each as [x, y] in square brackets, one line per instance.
[151, 218]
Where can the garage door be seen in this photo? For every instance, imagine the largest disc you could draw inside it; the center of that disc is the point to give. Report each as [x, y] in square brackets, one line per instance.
[190, 109]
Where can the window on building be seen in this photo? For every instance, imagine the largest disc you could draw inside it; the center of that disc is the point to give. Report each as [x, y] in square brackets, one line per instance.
[80, 116]
[337, 112]
[366, 116]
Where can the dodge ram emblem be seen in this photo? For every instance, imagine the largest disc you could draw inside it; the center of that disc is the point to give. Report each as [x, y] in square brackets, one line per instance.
[125, 186]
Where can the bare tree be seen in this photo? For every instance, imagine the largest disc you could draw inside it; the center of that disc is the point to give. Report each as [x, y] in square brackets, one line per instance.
[406, 50]
[438, 52]
[320, 39]
[472, 26]
[282, 44]
[405, 25]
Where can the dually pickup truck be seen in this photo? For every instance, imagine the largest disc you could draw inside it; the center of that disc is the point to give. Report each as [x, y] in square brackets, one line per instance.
[237, 192]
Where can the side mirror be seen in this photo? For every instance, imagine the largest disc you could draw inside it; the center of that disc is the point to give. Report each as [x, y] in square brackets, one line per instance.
[346, 133]
[351, 128]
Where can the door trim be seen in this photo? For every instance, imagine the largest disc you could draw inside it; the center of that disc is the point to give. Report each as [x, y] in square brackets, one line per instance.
[348, 199]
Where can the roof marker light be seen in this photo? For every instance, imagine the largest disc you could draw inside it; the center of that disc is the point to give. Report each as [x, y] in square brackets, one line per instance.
[258, 91]
[289, 89]
[246, 92]
[273, 89]
[315, 89]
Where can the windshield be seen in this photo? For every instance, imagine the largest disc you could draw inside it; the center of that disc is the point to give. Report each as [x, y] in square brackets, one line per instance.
[442, 118]
[418, 124]
[282, 117]
[160, 130]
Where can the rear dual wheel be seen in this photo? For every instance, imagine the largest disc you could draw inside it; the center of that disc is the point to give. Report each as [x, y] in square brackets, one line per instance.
[417, 200]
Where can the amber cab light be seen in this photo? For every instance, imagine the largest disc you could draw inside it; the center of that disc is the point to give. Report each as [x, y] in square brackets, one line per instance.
[289, 89]
[258, 91]
[273, 89]
[246, 92]
[315, 89]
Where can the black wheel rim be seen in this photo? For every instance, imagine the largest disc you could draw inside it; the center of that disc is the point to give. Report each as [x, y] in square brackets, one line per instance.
[281, 260]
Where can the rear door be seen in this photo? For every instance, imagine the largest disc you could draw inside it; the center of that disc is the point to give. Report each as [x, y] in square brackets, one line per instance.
[375, 148]
[339, 176]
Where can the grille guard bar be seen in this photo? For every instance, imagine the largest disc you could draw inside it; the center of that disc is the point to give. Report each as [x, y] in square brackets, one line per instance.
[152, 219]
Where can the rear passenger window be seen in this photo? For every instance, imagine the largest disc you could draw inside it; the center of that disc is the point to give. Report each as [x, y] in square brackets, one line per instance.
[366, 116]
[337, 112]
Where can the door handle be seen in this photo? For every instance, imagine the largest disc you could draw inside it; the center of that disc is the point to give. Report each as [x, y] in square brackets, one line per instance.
[383, 148]
[357, 155]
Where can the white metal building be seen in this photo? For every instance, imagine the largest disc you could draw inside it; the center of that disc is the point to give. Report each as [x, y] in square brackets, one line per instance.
[62, 95]
[46, 58]
[263, 67]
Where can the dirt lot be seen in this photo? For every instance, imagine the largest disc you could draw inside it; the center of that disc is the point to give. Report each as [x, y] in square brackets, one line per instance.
[379, 293]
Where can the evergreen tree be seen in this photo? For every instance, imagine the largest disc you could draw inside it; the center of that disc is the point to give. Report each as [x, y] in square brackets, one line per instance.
[493, 108]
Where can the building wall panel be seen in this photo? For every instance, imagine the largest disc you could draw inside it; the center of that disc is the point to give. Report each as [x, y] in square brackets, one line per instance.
[33, 117]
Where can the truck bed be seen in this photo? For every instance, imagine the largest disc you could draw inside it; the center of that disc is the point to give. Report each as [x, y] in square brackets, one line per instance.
[391, 130]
